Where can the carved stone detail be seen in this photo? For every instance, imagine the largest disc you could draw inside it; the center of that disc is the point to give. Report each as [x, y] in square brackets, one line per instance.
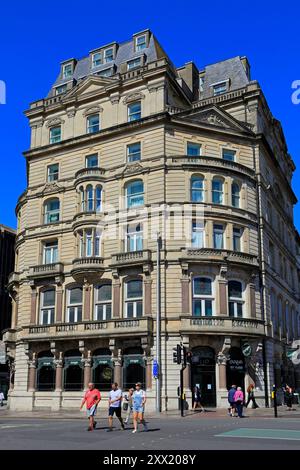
[133, 97]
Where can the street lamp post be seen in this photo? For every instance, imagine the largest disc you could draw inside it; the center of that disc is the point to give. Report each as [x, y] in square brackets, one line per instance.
[158, 325]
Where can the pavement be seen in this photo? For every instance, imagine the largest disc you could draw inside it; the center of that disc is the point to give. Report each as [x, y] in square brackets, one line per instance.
[212, 430]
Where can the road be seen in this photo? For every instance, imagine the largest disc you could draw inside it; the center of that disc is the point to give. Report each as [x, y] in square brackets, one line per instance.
[196, 432]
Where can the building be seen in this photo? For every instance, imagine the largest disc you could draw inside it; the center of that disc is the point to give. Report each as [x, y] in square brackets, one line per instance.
[7, 257]
[126, 145]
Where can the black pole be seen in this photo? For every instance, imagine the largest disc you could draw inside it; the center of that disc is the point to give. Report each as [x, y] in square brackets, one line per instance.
[275, 401]
[181, 392]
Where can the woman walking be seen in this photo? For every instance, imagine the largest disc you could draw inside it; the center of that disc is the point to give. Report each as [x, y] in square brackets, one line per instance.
[197, 399]
[251, 397]
[127, 404]
[138, 407]
[239, 401]
[289, 397]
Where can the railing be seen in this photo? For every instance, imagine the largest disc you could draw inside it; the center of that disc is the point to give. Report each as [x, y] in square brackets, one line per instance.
[46, 269]
[206, 160]
[210, 253]
[225, 324]
[218, 99]
[89, 173]
[142, 325]
[173, 109]
[131, 257]
[87, 261]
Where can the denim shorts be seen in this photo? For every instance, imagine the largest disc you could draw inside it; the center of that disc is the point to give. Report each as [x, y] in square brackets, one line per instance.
[138, 409]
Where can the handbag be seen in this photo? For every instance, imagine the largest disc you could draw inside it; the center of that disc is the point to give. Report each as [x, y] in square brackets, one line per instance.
[125, 406]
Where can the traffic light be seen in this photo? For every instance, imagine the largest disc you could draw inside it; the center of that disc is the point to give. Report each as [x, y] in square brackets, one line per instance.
[184, 353]
[177, 354]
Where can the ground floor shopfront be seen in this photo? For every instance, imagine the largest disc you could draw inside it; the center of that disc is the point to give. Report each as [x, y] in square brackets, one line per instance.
[53, 375]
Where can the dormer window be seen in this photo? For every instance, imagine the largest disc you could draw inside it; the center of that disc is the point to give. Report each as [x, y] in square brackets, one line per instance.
[61, 89]
[67, 70]
[105, 72]
[220, 88]
[135, 63]
[108, 55]
[140, 43]
[96, 59]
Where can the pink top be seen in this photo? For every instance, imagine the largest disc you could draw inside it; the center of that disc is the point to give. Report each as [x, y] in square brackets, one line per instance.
[238, 396]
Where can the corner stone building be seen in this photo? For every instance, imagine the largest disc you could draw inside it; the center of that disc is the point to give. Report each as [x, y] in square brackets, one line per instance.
[126, 145]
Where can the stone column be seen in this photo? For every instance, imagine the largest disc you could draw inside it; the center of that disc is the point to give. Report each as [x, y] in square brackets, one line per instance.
[148, 373]
[222, 297]
[116, 297]
[87, 302]
[58, 373]
[118, 369]
[59, 297]
[187, 378]
[148, 296]
[32, 363]
[87, 362]
[221, 361]
[33, 305]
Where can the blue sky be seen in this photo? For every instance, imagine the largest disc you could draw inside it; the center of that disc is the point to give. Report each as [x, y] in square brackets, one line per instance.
[36, 36]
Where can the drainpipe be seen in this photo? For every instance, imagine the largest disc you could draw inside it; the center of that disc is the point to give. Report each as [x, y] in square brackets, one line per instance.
[262, 284]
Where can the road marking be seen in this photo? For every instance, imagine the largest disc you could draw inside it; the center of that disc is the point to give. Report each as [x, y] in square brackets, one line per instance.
[251, 433]
[8, 426]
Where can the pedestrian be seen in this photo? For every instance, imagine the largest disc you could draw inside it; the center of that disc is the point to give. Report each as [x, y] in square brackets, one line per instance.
[232, 408]
[251, 397]
[197, 398]
[138, 407]
[1, 398]
[92, 398]
[289, 397]
[114, 403]
[239, 401]
[127, 404]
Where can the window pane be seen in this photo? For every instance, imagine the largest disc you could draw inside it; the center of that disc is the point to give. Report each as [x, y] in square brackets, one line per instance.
[202, 286]
[93, 124]
[104, 292]
[130, 310]
[53, 172]
[108, 311]
[193, 150]
[91, 161]
[76, 295]
[139, 309]
[197, 308]
[235, 289]
[134, 289]
[208, 308]
[99, 312]
[71, 314]
[55, 134]
[239, 310]
[229, 155]
[134, 152]
[49, 298]
[134, 111]
[231, 309]
[97, 59]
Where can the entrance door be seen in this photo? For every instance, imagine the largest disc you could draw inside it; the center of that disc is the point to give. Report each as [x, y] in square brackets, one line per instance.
[204, 374]
[235, 368]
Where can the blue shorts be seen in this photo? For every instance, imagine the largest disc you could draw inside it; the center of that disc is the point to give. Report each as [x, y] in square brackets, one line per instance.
[91, 411]
[137, 409]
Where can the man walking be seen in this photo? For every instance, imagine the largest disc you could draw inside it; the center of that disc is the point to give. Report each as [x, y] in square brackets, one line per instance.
[1, 398]
[92, 397]
[114, 403]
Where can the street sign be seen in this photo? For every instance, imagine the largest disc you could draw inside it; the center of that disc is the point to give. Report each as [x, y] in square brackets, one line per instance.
[155, 369]
[246, 349]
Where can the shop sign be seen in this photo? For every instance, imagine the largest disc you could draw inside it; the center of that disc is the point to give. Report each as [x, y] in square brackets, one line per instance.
[246, 349]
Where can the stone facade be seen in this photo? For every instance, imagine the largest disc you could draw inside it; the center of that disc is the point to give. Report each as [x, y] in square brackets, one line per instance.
[193, 154]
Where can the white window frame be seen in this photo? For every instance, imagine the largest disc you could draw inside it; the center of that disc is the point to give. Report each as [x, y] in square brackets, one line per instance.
[49, 309]
[59, 90]
[234, 228]
[133, 300]
[230, 151]
[218, 85]
[94, 60]
[55, 139]
[140, 46]
[133, 196]
[76, 306]
[133, 156]
[89, 126]
[236, 197]
[52, 176]
[53, 250]
[135, 236]
[203, 298]
[198, 227]
[69, 64]
[135, 113]
[236, 300]
[48, 213]
[105, 61]
[93, 155]
[104, 303]
[196, 144]
[200, 191]
[219, 192]
[134, 64]
[218, 230]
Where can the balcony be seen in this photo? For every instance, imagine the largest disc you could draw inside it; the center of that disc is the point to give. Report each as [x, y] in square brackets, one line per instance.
[112, 328]
[90, 268]
[131, 258]
[89, 174]
[205, 161]
[87, 218]
[44, 271]
[216, 256]
[13, 281]
[226, 325]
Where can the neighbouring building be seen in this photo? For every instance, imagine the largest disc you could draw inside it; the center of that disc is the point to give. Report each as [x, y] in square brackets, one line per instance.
[7, 258]
[126, 145]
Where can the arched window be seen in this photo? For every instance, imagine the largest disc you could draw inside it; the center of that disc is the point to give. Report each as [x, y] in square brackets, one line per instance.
[102, 371]
[235, 299]
[197, 189]
[73, 370]
[135, 194]
[74, 304]
[103, 297]
[203, 301]
[51, 211]
[98, 198]
[47, 308]
[217, 191]
[45, 379]
[133, 298]
[235, 195]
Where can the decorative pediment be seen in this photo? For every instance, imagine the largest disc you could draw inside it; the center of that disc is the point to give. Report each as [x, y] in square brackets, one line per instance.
[216, 117]
[49, 188]
[89, 85]
[133, 97]
[93, 110]
[54, 122]
[132, 168]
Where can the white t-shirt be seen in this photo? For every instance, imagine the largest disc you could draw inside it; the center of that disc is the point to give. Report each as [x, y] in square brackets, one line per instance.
[113, 395]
